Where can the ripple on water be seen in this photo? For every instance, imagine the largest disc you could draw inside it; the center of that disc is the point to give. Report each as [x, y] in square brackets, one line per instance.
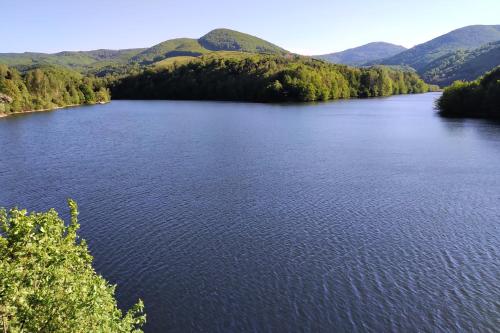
[357, 216]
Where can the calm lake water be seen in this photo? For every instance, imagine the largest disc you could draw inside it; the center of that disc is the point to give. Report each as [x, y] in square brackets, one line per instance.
[352, 216]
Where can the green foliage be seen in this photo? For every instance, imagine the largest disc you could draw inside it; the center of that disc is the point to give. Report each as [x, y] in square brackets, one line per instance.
[47, 283]
[479, 98]
[48, 87]
[361, 55]
[252, 77]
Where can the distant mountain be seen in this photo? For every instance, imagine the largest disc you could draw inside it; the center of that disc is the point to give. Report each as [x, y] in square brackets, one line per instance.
[363, 54]
[216, 40]
[464, 65]
[466, 38]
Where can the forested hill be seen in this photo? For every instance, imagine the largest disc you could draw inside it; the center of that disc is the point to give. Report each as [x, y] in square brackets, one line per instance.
[266, 78]
[230, 40]
[85, 61]
[79, 60]
[462, 54]
[463, 65]
[47, 87]
[466, 38]
[361, 55]
[215, 40]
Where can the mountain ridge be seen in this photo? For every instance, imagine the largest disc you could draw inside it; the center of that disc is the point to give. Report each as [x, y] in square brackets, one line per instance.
[463, 65]
[360, 55]
[216, 40]
[461, 54]
[466, 38]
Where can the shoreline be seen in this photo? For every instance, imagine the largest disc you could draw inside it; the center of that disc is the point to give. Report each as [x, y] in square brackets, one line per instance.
[5, 115]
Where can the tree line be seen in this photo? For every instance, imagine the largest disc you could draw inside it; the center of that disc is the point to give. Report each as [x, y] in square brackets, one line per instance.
[480, 98]
[47, 87]
[264, 78]
[242, 77]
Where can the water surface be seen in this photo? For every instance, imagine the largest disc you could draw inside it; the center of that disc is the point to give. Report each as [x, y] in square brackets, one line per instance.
[352, 216]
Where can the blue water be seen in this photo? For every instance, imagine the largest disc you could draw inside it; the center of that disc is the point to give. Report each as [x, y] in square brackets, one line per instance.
[367, 215]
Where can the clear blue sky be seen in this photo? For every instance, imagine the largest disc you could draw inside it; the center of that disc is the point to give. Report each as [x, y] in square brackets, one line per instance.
[302, 26]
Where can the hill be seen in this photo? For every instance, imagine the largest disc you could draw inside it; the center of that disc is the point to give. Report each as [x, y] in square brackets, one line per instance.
[170, 48]
[78, 60]
[230, 40]
[216, 40]
[465, 38]
[463, 65]
[360, 55]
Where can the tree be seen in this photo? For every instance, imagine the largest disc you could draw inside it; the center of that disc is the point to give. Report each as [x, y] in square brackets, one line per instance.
[263, 78]
[88, 92]
[47, 283]
[480, 98]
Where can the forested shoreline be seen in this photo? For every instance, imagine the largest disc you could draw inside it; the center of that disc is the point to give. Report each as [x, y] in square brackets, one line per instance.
[47, 87]
[234, 77]
[480, 98]
[264, 78]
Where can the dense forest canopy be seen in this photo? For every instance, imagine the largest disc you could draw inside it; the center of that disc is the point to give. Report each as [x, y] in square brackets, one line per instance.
[47, 283]
[264, 78]
[47, 87]
[480, 98]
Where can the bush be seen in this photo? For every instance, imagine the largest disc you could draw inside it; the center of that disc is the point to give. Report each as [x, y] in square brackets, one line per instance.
[47, 283]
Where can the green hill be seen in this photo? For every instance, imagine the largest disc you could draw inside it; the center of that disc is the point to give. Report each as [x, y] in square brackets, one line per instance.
[170, 48]
[462, 54]
[73, 59]
[466, 38]
[230, 40]
[363, 54]
[216, 40]
[463, 65]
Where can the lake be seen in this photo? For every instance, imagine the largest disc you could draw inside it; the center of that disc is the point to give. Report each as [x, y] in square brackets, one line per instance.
[362, 215]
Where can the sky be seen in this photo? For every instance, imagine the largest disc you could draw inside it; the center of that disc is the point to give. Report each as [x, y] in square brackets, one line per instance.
[308, 27]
